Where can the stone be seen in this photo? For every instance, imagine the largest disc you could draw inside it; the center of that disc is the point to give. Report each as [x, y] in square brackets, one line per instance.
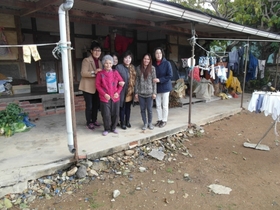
[172, 192]
[219, 189]
[156, 154]
[129, 152]
[87, 163]
[7, 203]
[142, 169]
[116, 193]
[82, 172]
[72, 171]
[101, 165]
[93, 173]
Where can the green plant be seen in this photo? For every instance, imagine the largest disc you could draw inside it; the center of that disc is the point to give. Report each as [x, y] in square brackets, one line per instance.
[93, 203]
[9, 119]
[169, 170]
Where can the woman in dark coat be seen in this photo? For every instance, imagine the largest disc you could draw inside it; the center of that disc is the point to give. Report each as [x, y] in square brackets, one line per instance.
[164, 86]
[128, 73]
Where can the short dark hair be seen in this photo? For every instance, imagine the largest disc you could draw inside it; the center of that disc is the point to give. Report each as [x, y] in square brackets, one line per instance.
[128, 53]
[95, 44]
[114, 54]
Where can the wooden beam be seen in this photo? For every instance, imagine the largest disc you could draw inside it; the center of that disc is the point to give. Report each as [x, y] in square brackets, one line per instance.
[37, 7]
[17, 4]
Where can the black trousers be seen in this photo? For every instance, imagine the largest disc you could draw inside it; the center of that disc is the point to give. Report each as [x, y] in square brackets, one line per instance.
[125, 111]
[110, 114]
[92, 106]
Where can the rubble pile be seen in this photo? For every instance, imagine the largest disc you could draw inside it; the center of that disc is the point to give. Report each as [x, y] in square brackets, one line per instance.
[85, 171]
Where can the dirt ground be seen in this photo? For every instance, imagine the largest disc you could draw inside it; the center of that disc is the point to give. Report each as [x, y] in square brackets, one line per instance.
[218, 157]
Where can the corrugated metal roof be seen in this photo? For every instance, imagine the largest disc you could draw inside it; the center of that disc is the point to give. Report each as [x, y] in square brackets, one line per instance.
[108, 12]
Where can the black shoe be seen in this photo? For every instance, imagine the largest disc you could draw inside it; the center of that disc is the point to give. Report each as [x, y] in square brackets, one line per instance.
[128, 125]
[162, 124]
[123, 126]
[158, 123]
[118, 124]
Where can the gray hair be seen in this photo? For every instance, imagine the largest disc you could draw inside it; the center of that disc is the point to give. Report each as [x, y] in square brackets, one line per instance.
[107, 57]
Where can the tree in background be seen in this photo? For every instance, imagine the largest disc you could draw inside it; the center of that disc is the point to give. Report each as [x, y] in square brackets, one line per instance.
[260, 14]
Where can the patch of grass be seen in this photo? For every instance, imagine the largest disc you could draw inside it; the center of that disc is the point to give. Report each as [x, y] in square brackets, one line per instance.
[198, 134]
[227, 207]
[92, 202]
[94, 193]
[169, 170]
[95, 205]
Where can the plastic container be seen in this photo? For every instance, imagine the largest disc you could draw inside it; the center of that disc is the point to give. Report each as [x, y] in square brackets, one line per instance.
[51, 82]
[21, 89]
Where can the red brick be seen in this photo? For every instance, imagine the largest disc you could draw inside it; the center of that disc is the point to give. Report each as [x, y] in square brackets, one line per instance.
[60, 111]
[27, 105]
[50, 112]
[23, 103]
[133, 144]
[3, 104]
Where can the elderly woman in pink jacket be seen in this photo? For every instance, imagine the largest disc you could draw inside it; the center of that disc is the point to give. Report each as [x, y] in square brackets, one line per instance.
[109, 85]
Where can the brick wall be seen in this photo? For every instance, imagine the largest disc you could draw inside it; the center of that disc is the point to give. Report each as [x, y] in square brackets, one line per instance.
[37, 110]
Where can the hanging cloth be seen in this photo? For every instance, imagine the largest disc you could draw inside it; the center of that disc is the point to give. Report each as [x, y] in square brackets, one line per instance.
[29, 50]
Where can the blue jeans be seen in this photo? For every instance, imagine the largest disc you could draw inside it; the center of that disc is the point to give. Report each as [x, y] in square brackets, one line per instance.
[146, 104]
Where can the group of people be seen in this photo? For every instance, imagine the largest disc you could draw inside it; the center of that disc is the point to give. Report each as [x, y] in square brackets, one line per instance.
[112, 87]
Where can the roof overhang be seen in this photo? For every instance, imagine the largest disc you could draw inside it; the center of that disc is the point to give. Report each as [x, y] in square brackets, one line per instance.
[145, 15]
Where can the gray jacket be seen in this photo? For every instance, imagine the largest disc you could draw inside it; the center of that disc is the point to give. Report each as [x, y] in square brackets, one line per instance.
[124, 72]
[145, 87]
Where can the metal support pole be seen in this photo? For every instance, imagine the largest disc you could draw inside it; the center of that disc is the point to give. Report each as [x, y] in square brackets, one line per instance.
[245, 73]
[192, 65]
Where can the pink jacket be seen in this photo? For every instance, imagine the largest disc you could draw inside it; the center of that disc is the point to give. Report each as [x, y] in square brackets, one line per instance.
[107, 82]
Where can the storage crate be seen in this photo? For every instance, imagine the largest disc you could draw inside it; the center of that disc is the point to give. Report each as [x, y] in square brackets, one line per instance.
[21, 89]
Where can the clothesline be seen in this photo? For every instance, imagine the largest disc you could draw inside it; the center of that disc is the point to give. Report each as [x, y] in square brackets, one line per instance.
[38, 45]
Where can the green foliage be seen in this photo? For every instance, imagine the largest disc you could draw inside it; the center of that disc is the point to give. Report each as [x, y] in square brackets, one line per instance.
[169, 170]
[9, 119]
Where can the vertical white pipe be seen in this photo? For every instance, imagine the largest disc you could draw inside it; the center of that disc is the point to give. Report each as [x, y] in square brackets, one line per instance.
[65, 69]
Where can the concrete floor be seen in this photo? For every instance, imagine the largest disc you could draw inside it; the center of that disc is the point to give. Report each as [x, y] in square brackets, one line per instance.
[44, 149]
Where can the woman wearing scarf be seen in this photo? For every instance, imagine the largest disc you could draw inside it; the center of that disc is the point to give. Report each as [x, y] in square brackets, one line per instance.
[128, 73]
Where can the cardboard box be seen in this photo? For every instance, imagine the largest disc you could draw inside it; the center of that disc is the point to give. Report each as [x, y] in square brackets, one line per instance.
[60, 88]
[21, 89]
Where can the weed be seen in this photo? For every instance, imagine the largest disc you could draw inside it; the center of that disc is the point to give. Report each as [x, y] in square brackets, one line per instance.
[93, 203]
[169, 170]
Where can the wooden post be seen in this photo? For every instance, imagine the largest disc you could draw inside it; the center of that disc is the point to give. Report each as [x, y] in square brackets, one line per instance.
[245, 73]
[277, 58]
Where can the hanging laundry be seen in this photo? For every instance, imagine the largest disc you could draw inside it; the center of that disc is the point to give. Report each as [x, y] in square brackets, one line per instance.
[253, 63]
[233, 60]
[107, 43]
[28, 51]
[195, 73]
[188, 62]
[121, 43]
[241, 60]
[261, 65]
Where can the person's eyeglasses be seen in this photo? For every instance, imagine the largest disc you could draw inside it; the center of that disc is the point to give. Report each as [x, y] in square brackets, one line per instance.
[96, 50]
